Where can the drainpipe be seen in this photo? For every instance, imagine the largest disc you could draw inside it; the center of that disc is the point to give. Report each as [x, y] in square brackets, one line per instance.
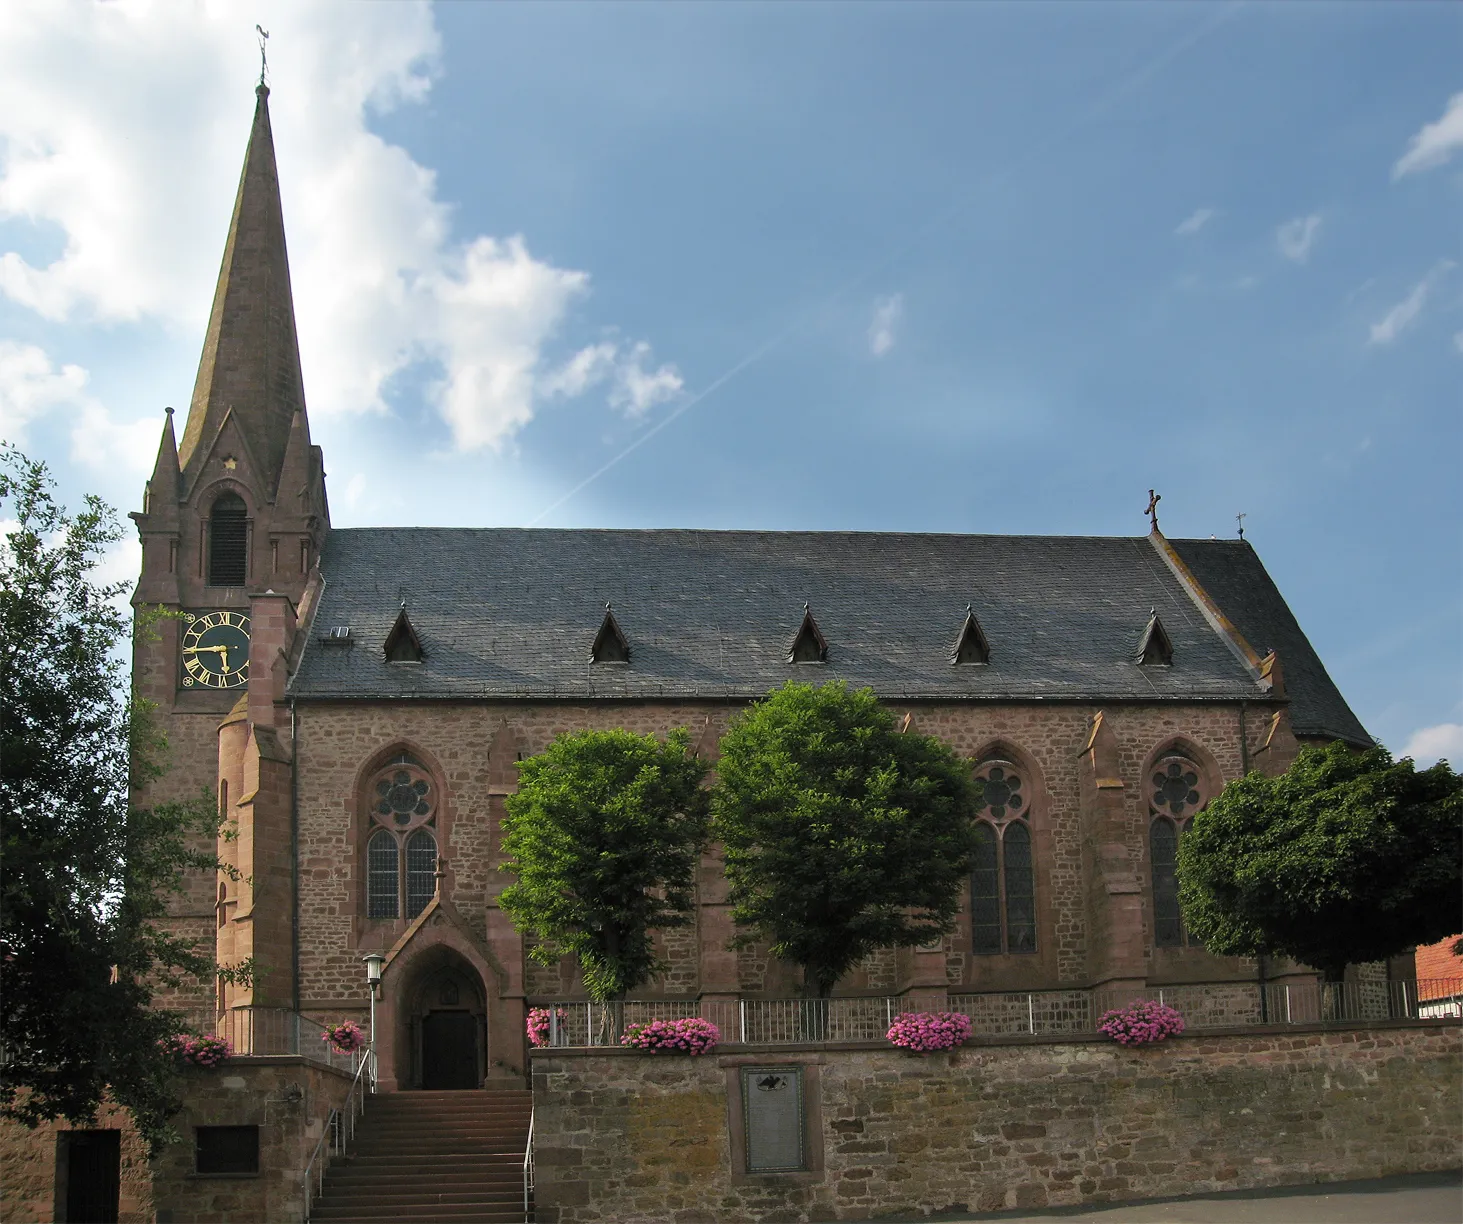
[294, 859]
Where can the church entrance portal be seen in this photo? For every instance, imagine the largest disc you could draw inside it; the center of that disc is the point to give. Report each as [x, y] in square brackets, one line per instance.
[446, 1025]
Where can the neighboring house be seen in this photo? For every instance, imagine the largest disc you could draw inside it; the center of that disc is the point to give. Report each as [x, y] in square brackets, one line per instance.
[1440, 979]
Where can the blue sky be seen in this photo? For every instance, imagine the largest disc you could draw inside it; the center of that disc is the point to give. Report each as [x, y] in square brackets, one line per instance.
[979, 268]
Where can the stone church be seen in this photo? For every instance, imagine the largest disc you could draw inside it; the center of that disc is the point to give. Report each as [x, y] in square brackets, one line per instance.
[358, 698]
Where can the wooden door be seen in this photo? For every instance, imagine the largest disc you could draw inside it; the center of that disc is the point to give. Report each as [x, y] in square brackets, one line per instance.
[450, 1050]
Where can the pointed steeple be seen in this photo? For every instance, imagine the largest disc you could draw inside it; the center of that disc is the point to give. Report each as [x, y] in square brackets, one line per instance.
[161, 495]
[251, 357]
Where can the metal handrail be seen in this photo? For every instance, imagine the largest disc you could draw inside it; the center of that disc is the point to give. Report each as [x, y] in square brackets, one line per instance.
[528, 1171]
[340, 1128]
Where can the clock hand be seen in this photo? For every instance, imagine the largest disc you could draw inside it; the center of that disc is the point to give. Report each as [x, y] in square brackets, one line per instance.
[223, 650]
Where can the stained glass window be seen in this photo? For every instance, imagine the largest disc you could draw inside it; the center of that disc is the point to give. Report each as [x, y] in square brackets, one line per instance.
[402, 852]
[1020, 892]
[1163, 851]
[985, 893]
[421, 871]
[381, 876]
[1176, 791]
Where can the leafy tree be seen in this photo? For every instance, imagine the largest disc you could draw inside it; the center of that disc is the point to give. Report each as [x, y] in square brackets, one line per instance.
[1347, 857]
[604, 834]
[842, 834]
[84, 876]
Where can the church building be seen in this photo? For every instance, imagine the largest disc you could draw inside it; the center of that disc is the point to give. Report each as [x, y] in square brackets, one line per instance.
[358, 699]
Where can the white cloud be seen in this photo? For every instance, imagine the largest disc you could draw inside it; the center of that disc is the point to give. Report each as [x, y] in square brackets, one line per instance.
[31, 388]
[1404, 314]
[124, 126]
[1435, 143]
[1430, 744]
[887, 312]
[1196, 221]
[634, 390]
[1296, 237]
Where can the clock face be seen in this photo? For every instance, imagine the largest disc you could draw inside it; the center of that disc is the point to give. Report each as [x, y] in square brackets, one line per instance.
[215, 650]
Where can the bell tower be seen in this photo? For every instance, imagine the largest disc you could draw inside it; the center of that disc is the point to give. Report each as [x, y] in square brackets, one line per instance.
[232, 525]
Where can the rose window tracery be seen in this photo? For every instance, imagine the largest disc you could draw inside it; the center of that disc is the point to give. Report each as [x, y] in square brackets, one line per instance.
[401, 852]
[1001, 792]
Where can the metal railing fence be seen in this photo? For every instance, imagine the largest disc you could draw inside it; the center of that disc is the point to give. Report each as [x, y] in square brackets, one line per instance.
[1205, 1006]
[273, 1030]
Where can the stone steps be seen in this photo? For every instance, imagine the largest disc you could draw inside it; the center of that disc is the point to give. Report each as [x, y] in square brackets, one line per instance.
[453, 1157]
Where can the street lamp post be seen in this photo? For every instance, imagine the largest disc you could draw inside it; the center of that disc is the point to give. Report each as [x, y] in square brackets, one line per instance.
[373, 962]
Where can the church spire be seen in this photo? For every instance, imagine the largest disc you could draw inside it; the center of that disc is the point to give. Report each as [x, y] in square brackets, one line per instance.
[251, 357]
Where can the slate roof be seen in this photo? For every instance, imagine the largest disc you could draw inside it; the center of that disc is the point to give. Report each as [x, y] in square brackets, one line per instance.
[512, 613]
[1233, 575]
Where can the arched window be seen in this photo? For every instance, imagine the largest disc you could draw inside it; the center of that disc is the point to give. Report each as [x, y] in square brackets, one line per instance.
[401, 852]
[228, 542]
[1176, 790]
[1003, 881]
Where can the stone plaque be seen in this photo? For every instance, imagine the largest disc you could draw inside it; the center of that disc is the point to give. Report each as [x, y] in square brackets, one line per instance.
[772, 1107]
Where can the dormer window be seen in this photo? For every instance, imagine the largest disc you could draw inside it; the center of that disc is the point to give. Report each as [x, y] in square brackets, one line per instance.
[402, 644]
[808, 644]
[610, 645]
[971, 646]
[228, 542]
[1155, 647]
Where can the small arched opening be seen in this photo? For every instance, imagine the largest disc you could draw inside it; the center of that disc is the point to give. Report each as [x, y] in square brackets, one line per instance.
[228, 541]
[442, 1023]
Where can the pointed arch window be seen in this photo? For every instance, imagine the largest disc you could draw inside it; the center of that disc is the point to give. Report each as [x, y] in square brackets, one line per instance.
[228, 541]
[1003, 880]
[401, 851]
[1176, 791]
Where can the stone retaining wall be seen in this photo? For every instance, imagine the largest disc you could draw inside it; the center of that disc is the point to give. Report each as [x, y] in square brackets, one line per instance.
[625, 1137]
[287, 1097]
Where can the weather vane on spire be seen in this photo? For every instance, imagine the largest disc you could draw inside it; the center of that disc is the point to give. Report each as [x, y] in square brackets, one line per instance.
[1240, 519]
[1152, 511]
[263, 59]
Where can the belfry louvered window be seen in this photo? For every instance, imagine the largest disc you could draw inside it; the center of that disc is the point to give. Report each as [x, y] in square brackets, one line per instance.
[1176, 790]
[401, 852]
[228, 542]
[1003, 880]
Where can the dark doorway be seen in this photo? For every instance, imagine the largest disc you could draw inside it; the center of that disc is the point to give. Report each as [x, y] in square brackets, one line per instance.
[450, 1050]
[93, 1176]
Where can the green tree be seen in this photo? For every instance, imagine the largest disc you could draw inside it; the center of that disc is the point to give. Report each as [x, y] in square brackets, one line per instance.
[84, 876]
[604, 834]
[842, 834]
[1346, 857]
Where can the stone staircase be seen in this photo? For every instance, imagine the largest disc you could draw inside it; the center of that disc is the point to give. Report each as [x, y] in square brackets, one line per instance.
[454, 1157]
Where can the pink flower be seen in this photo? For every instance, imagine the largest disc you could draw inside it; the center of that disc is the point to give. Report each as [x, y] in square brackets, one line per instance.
[927, 1032]
[1142, 1021]
[692, 1036]
[540, 1025]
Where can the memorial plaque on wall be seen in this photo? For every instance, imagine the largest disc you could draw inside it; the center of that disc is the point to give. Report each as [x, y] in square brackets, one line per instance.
[772, 1106]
